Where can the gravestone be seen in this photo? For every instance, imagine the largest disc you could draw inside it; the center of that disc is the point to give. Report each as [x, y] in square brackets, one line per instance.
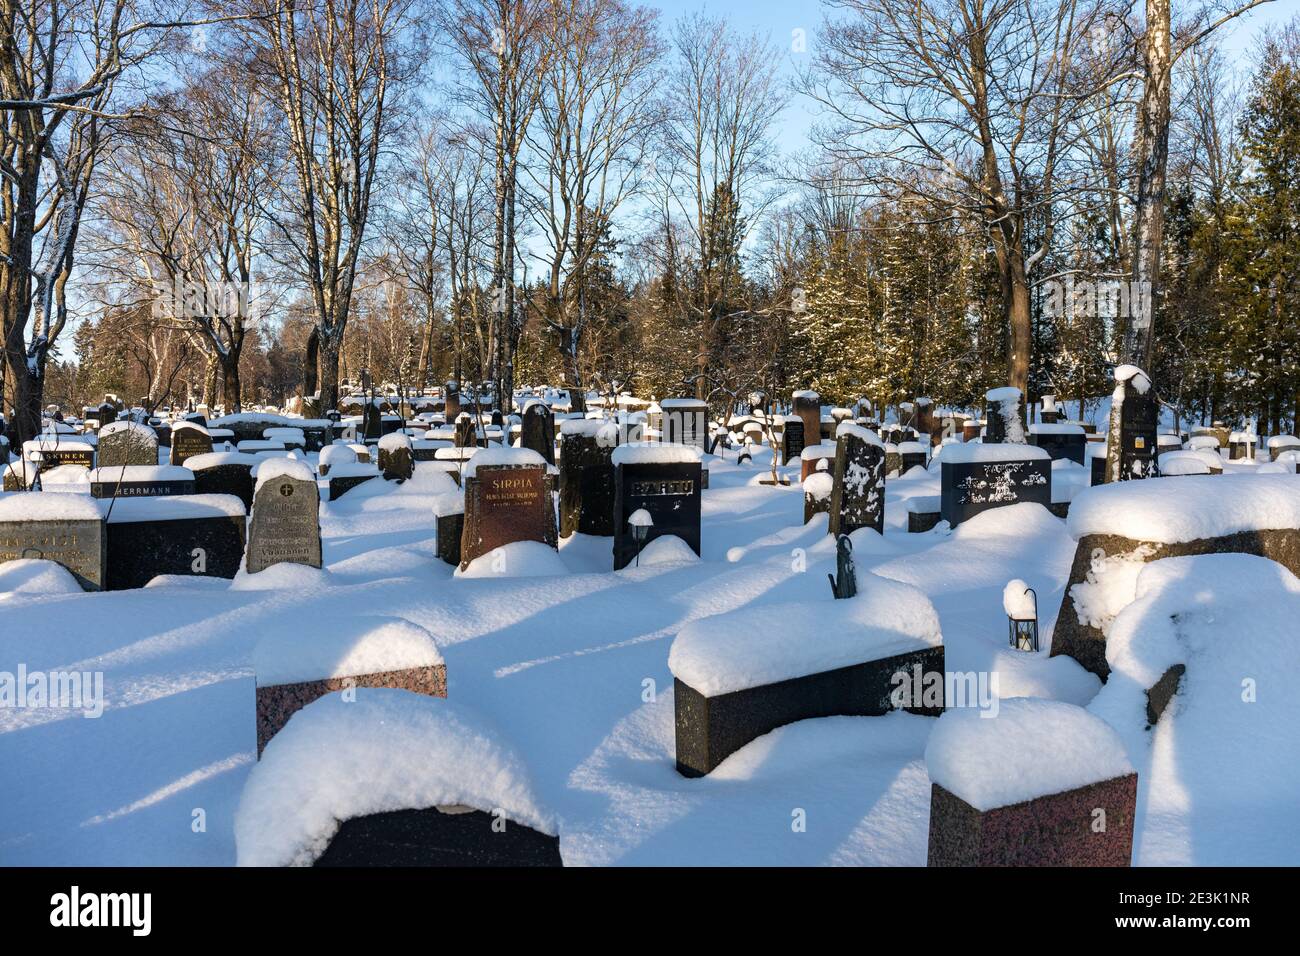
[396, 457]
[1062, 442]
[372, 422]
[912, 454]
[537, 431]
[977, 477]
[1134, 415]
[685, 421]
[792, 439]
[141, 481]
[807, 405]
[50, 452]
[224, 473]
[505, 504]
[587, 478]
[858, 494]
[668, 490]
[286, 523]
[197, 535]
[127, 443]
[1004, 416]
[466, 431]
[451, 405]
[72, 534]
[433, 836]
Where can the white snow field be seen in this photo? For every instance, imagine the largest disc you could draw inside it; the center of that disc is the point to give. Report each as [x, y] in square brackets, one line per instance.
[568, 663]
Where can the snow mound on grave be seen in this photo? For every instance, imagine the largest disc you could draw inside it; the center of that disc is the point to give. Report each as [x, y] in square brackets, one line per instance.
[112, 428]
[763, 644]
[63, 476]
[1031, 749]
[493, 457]
[387, 750]
[337, 455]
[859, 432]
[395, 440]
[519, 559]
[819, 485]
[602, 429]
[39, 506]
[667, 549]
[215, 459]
[1216, 755]
[655, 453]
[268, 469]
[428, 479]
[285, 575]
[27, 576]
[1025, 519]
[1192, 508]
[348, 647]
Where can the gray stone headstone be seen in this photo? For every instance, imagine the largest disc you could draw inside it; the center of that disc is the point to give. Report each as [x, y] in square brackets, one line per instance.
[858, 495]
[286, 524]
[77, 544]
[127, 444]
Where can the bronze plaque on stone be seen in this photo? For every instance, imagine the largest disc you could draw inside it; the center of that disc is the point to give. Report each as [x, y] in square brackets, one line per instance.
[286, 524]
[504, 504]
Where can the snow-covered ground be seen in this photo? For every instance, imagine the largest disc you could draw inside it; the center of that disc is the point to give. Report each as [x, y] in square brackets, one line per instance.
[572, 669]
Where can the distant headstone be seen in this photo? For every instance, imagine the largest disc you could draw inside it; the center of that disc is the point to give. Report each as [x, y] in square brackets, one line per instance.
[127, 443]
[466, 432]
[396, 457]
[189, 439]
[286, 524]
[685, 421]
[224, 474]
[372, 422]
[858, 495]
[808, 407]
[1134, 415]
[792, 439]
[538, 431]
[1004, 418]
[1063, 442]
[451, 405]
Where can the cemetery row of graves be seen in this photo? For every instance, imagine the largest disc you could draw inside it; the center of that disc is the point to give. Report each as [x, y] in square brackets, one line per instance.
[415, 631]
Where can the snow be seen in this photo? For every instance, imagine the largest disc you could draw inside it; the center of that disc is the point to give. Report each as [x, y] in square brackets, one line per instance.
[598, 428]
[496, 457]
[268, 469]
[640, 519]
[1019, 604]
[126, 473]
[59, 475]
[1131, 373]
[346, 647]
[112, 428]
[1032, 749]
[337, 455]
[35, 576]
[1203, 507]
[387, 750]
[979, 452]
[693, 404]
[667, 550]
[655, 453]
[756, 646]
[44, 506]
[1283, 441]
[858, 431]
[820, 451]
[819, 485]
[175, 507]
[519, 559]
[1007, 393]
[1179, 463]
[1055, 429]
[216, 458]
[394, 441]
[285, 576]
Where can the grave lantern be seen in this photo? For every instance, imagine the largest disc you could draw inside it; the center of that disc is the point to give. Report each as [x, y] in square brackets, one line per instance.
[640, 523]
[1021, 604]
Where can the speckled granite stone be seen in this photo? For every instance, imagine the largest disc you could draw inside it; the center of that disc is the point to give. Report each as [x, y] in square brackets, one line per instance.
[276, 703]
[1055, 830]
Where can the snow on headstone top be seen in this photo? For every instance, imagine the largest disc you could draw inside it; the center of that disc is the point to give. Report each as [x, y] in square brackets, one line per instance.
[217, 458]
[112, 473]
[979, 452]
[1197, 507]
[857, 431]
[46, 506]
[268, 469]
[1034, 748]
[819, 485]
[598, 428]
[349, 647]
[1131, 373]
[113, 428]
[386, 750]
[655, 453]
[1007, 393]
[764, 644]
[394, 441]
[499, 457]
[176, 507]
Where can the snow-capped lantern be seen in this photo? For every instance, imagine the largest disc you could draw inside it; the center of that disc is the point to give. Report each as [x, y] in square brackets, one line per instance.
[640, 522]
[1021, 604]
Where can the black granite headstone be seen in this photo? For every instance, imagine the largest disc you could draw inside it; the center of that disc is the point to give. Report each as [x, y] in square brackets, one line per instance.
[858, 495]
[669, 491]
[538, 431]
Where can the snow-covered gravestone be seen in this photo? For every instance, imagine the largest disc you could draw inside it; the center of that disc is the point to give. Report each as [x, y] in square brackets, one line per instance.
[507, 499]
[665, 481]
[295, 666]
[1132, 448]
[814, 458]
[65, 528]
[192, 535]
[808, 406]
[1281, 444]
[685, 422]
[1122, 527]
[1004, 418]
[189, 439]
[396, 457]
[537, 431]
[286, 516]
[391, 778]
[978, 476]
[745, 673]
[224, 473]
[127, 443]
[1062, 442]
[858, 493]
[817, 490]
[141, 481]
[1046, 783]
[51, 451]
[793, 438]
[587, 476]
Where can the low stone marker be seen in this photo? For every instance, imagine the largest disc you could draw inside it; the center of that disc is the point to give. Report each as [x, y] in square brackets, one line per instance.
[743, 674]
[189, 439]
[396, 457]
[1062, 442]
[817, 492]
[1044, 784]
[127, 443]
[1121, 526]
[1281, 444]
[65, 528]
[294, 668]
[663, 480]
[449, 515]
[978, 476]
[923, 513]
[141, 481]
[200, 535]
[587, 477]
[286, 517]
[507, 499]
[858, 497]
[348, 475]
